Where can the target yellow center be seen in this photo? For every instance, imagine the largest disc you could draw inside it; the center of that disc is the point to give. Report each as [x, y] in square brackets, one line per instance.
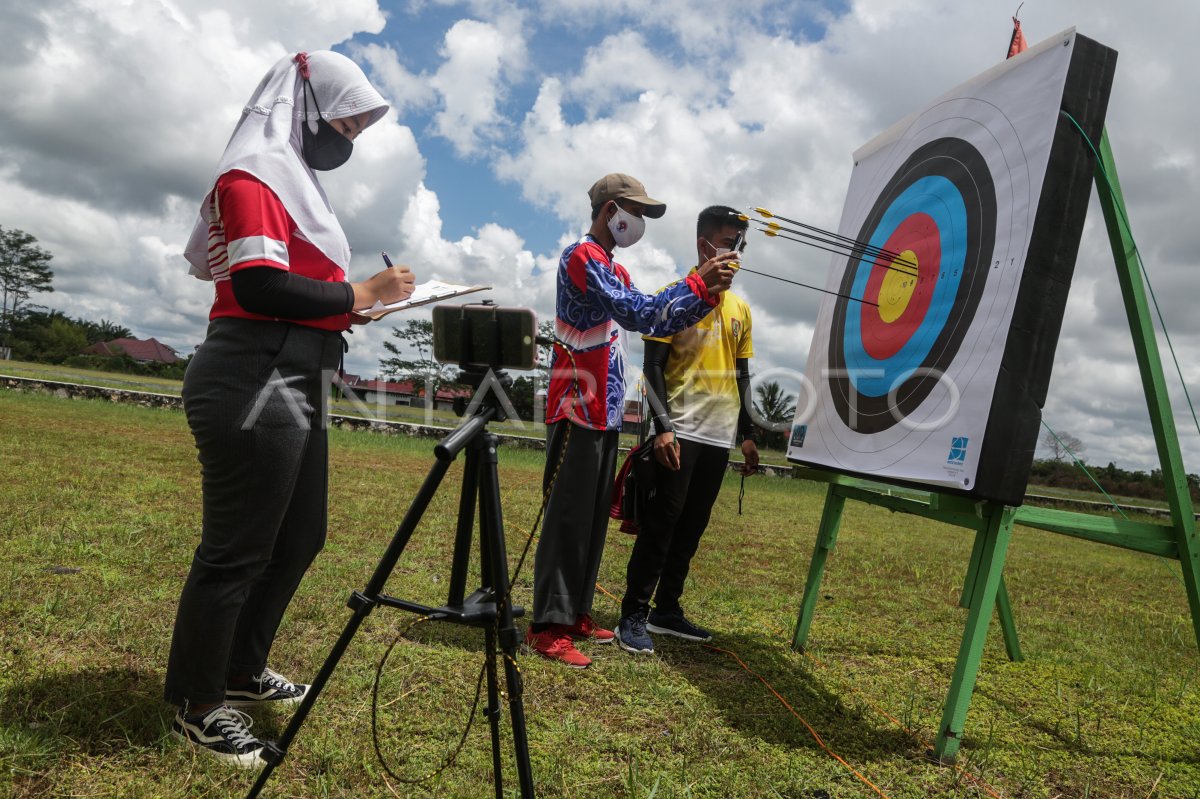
[898, 286]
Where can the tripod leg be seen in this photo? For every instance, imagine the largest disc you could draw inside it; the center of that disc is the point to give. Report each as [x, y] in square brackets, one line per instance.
[466, 527]
[362, 604]
[496, 571]
[493, 711]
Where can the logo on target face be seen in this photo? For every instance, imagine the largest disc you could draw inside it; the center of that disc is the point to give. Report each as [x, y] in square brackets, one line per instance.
[958, 450]
[799, 432]
[622, 225]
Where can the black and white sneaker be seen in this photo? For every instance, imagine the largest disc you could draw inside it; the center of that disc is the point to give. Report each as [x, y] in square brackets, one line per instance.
[677, 625]
[267, 688]
[222, 732]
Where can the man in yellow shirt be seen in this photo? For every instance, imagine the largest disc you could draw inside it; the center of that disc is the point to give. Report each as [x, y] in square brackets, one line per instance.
[698, 380]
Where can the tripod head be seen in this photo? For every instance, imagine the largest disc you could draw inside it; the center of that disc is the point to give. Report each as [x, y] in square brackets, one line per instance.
[489, 387]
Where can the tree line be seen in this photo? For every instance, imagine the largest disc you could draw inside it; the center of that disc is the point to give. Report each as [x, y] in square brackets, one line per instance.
[48, 336]
[34, 333]
[1060, 470]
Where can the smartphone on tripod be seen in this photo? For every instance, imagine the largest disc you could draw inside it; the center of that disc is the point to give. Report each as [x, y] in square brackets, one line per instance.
[486, 335]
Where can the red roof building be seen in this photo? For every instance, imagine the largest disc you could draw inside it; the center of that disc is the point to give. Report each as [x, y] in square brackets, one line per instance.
[393, 392]
[150, 350]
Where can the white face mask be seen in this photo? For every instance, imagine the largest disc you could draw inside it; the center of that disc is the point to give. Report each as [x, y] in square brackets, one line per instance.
[626, 228]
[718, 251]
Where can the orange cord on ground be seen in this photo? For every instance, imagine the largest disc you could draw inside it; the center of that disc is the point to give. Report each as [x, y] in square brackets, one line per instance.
[988, 789]
[916, 736]
[807, 726]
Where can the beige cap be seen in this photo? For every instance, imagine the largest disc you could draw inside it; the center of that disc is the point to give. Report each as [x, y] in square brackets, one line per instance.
[617, 186]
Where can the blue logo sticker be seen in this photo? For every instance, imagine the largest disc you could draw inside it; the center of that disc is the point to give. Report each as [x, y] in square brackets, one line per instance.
[798, 434]
[958, 450]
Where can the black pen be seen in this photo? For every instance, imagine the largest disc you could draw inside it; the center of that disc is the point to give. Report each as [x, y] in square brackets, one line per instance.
[386, 260]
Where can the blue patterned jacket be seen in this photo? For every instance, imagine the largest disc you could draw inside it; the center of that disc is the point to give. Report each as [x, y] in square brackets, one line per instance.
[595, 300]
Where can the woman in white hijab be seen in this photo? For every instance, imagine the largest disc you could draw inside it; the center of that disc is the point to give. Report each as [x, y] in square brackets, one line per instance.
[254, 392]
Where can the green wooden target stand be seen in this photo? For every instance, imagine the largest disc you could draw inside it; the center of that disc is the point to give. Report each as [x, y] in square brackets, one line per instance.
[993, 521]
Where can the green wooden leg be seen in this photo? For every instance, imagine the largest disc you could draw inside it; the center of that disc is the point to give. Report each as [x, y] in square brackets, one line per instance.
[1189, 560]
[972, 580]
[983, 601]
[831, 520]
[1158, 399]
[1003, 607]
[1007, 625]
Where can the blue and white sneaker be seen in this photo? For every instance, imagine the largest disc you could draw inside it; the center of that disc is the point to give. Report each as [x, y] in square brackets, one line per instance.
[223, 733]
[677, 625]
[268, 688]
[631, 635]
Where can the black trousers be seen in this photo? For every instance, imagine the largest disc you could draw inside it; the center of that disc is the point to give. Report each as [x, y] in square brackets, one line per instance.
[675, 519]
[572, 541]
[255, 396]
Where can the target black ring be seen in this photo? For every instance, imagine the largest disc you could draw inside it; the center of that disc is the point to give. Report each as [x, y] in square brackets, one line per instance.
[960, 163]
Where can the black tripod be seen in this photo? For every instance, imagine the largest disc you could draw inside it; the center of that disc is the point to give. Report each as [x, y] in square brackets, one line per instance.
[488, 608]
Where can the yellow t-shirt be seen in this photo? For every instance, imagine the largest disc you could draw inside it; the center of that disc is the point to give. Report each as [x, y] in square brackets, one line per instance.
[701, 377]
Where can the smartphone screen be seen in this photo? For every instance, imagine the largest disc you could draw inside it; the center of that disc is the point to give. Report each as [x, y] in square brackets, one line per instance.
[485, 335]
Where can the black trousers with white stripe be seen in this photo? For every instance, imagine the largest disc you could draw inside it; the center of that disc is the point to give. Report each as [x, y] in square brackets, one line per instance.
[255, 396]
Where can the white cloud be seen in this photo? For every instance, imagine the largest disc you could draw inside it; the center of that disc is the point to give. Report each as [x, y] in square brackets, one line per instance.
[495, 257]
[624, 64]
[403, 89]
[478, 55]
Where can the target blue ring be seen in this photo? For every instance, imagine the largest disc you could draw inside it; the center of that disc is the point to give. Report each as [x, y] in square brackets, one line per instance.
[941, 200]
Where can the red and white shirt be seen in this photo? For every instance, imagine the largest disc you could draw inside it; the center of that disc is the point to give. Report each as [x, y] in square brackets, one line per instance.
[251, 228]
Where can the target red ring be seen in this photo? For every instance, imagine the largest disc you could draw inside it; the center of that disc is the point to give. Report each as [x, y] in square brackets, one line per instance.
[883, 337]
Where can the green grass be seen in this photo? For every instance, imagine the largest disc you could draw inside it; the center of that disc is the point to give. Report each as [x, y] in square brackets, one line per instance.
[1105, 706]
[395, 413]
[90, 377]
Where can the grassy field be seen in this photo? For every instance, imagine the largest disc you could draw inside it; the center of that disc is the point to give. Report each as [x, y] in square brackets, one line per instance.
[1096, 496]
[90, 377]
[99, 514]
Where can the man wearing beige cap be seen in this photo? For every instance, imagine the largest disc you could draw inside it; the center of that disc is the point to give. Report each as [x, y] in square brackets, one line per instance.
[585, 403]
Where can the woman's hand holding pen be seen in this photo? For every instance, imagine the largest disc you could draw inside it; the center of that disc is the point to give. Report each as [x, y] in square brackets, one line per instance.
[393, 284]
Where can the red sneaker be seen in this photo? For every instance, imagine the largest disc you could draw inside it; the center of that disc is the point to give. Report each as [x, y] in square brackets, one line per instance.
[585, 627]
[556, 644]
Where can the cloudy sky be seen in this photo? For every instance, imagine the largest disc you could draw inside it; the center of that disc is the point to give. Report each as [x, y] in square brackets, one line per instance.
[116, 112]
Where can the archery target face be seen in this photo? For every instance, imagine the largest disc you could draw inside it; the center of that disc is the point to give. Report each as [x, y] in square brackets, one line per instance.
[903, 375]
[938, 213]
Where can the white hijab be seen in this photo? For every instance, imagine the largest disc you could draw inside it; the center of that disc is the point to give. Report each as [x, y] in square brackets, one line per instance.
[266, 144]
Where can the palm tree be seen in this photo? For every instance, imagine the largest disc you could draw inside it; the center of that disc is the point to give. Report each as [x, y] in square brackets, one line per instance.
[773, 413]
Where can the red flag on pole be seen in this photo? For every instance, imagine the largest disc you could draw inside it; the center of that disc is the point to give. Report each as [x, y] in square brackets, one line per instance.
[1018, 43]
